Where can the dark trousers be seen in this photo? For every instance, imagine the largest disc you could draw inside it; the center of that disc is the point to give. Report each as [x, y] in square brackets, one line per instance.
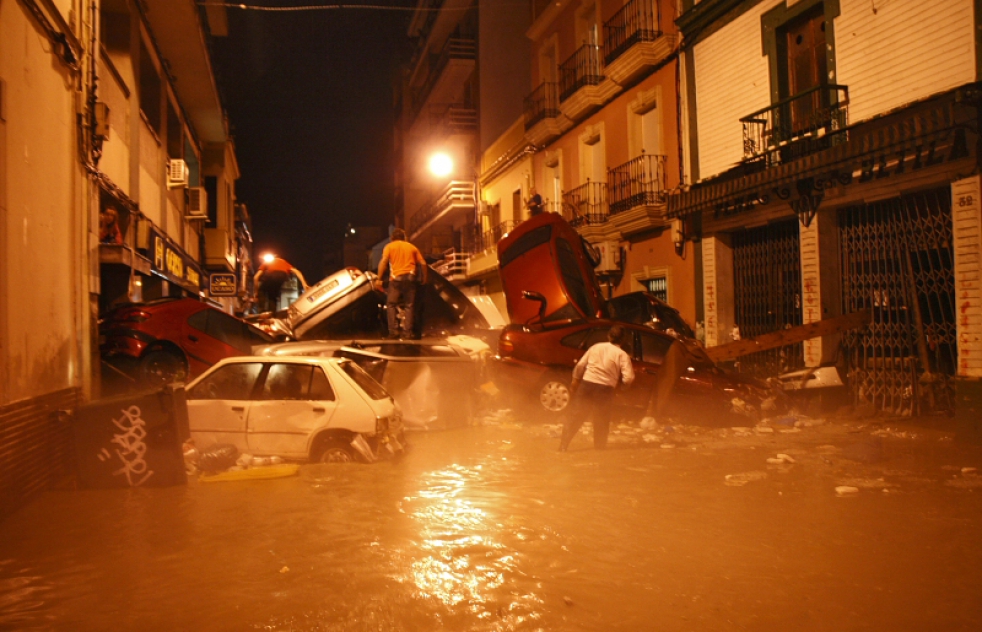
[402, 294]
[592, 402]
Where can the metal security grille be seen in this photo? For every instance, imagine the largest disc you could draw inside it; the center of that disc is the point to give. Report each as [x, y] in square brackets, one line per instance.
[659, 287]
[767, 290]
[898, 261]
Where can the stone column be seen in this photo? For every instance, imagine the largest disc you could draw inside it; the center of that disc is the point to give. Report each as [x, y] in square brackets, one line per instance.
[717, 288]
[821, 291]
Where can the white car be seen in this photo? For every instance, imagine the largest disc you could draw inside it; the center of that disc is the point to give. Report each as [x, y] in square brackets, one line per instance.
[300, 408]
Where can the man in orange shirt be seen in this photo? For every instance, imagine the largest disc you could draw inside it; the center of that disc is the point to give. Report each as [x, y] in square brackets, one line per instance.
[401, 257]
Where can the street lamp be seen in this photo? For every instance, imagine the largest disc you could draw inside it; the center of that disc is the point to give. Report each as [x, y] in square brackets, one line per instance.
[268, 257]
[441, 165]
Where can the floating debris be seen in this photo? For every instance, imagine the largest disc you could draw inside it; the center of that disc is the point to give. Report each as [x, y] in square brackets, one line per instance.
[739, 480]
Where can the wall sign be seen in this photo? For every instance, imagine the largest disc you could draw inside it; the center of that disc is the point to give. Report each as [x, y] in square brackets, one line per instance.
[168, 260]
[222, 284]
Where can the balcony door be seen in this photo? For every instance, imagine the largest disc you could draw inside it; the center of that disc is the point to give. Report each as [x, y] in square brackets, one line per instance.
[807, 68]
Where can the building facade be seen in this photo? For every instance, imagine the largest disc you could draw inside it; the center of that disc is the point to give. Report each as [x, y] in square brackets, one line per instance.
[116, 184]
[831, 150]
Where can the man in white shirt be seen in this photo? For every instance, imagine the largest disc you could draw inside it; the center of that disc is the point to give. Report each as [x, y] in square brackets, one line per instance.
[595, 378]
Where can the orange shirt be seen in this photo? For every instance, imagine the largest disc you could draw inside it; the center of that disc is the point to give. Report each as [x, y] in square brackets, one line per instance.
[402, 257]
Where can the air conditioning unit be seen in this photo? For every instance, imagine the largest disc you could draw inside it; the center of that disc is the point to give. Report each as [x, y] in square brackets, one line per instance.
[197, 207]
[177, 174]
[610, 256]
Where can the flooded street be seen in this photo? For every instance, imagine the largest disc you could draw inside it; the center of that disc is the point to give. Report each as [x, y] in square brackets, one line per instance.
[490, 528]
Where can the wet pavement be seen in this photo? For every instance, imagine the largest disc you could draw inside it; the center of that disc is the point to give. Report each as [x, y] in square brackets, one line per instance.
[490, 528]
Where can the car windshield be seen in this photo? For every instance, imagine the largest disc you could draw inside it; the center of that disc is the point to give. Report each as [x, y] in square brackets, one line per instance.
[367, 383]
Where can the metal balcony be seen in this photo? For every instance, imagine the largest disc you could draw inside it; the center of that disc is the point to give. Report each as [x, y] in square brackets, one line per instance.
[797, 126]
[542, 104]
[452, 67]
[455, 119]
[582, 68]
[490, 238]
[637, 182]
[586, 205]
[638, 21]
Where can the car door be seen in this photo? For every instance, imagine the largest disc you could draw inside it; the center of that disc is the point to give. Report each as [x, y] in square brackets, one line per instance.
[295, 400]
[218, 404]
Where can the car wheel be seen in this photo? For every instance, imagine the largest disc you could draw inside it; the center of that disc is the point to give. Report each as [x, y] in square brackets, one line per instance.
[553, 395]
[337, 453]
[161, 367]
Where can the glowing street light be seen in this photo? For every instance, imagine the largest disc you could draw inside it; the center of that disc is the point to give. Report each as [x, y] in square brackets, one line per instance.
[441, 165]
[268, 257]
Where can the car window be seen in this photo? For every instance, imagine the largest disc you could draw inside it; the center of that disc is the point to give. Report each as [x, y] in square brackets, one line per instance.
[232, 381]
[670, 319]
[228, 329]
[361, 319]
[375, 367]
[596, 335]
[528, 241]
[367, 383]
[654, 348]
[575, 340]
[296, 382]
[572, 274]
[628, 309]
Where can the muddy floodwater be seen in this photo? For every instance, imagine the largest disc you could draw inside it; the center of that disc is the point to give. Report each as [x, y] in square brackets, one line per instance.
[490, 528]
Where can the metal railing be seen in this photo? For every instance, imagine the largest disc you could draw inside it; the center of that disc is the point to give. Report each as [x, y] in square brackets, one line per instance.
[542, 103]
[582, 68]
[490, 238]
[638, 182]
[457, 194]
[586, 205]
[798, 125]
[453, 264]
[638, 21]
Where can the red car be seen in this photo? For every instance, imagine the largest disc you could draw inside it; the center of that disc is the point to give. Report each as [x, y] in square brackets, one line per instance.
[546, 256]
[537, 362]
[173, 340]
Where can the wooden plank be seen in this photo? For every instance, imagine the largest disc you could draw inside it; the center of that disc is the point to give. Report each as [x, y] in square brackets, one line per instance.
[826, 327]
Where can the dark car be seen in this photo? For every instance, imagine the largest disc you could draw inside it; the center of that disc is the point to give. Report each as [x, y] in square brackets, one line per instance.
[644, 308]
[536, 363]
[173, 339]
[546, 257]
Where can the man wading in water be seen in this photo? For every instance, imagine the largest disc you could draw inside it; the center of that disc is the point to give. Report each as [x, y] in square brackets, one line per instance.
[601, 369]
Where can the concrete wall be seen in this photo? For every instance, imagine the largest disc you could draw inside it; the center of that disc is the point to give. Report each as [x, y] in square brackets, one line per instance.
[42, 229]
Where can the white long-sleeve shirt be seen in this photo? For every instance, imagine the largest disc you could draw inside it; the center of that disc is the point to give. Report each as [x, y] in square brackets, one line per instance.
[605, 363]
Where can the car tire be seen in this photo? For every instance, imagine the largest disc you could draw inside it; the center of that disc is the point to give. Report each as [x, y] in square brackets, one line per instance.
[337, 452]
[552, 396]
[160, 367]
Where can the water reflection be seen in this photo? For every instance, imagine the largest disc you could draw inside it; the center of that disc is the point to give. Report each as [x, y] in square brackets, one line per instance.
[462, 563]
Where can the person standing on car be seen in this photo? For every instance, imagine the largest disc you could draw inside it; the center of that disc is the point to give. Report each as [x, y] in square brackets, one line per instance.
[596, 377]
[402, 259]
[269, 280]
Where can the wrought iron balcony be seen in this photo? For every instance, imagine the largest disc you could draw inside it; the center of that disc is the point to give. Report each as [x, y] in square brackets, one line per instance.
[459, 50]
[490, 238]
[586, 205]
[638, 21]
[458, 195]
[797, 126]
[541, 104]
[638, 182]
[582, 68]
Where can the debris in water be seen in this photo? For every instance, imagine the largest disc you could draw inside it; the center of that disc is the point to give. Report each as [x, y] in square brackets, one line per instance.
[968, 471]
[739, 480]
[285, 569]
[763, 429]
[668, 446]
[846, 490]
[567, 601]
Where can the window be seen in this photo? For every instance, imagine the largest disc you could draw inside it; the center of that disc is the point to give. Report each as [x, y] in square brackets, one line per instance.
[296, 382]
[233, 381]
[367, 383]
[595, 336]
[526, 242]
[150, 90]
[657, 286]
[228, 329]
[569, 267]
[654, 348]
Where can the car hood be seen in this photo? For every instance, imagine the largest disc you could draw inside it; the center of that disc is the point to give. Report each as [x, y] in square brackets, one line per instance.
[546, 255]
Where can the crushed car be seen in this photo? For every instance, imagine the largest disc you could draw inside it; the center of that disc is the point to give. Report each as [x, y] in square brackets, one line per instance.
[299, 408]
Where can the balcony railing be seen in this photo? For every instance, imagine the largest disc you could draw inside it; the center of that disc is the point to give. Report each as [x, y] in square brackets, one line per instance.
[541, 104]
[456, 119]
[459, 194]
[638, 21]
[490, 238]
[456, 47]
[582, 68]
[798, 125]
[638, 182]
[586, 205]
